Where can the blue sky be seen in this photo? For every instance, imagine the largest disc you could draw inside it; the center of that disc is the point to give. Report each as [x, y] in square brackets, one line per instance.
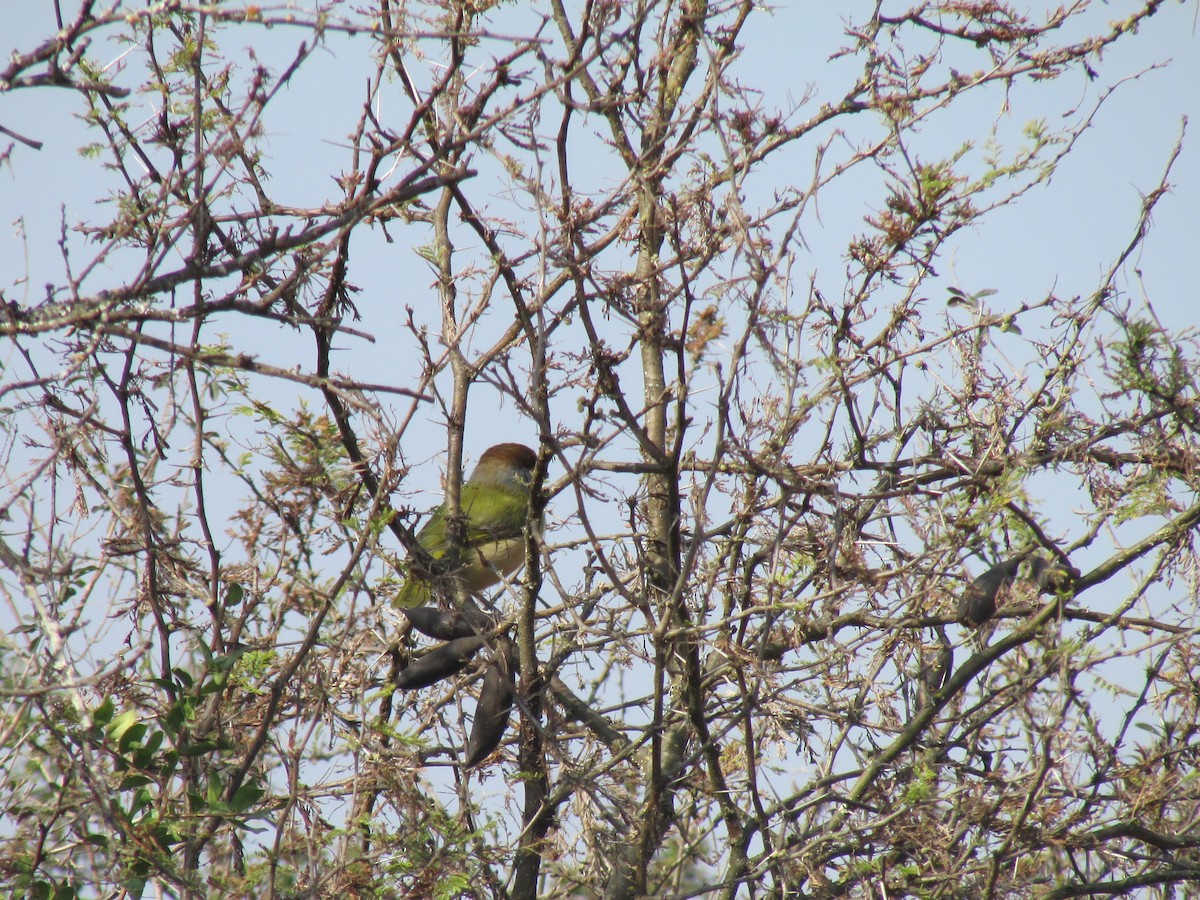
[1059, 238]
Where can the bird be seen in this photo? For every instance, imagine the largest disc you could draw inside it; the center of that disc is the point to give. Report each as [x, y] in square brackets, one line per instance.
[978, 602]
[495, 505]
[1051, 576]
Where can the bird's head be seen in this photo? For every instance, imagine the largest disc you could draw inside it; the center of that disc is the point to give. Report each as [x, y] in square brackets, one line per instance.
[505, 465]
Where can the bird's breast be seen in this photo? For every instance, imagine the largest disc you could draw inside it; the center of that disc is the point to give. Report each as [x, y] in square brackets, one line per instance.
[490, 561]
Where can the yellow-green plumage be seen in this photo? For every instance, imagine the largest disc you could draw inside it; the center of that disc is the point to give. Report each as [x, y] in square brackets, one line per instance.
[495, 505]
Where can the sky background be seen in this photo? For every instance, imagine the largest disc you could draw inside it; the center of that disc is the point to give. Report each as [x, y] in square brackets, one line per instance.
[1059, 239]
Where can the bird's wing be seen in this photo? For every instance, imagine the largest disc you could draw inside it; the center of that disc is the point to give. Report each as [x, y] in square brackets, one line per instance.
[492, 514]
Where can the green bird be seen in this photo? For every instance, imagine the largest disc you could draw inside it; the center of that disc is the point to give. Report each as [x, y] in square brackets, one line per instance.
[495, 505]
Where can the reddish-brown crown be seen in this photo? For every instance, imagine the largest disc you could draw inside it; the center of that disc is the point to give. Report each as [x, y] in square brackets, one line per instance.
[516, 455]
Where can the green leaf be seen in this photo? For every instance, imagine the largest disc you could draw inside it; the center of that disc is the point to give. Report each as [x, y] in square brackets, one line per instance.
[122, 723]
[245, 797]
[132, 735]
[452, 886]
[178, 714]
[199, 748]
[213, 794]
[155, 741]
[226, 662]
[141, 800]
[103, 713]
[133, 781]
[1009, 325]
[170, 761]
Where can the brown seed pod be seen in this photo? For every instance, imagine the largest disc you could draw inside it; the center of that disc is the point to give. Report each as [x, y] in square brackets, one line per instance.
[440, 662]
[443, 624]
[495, 704]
